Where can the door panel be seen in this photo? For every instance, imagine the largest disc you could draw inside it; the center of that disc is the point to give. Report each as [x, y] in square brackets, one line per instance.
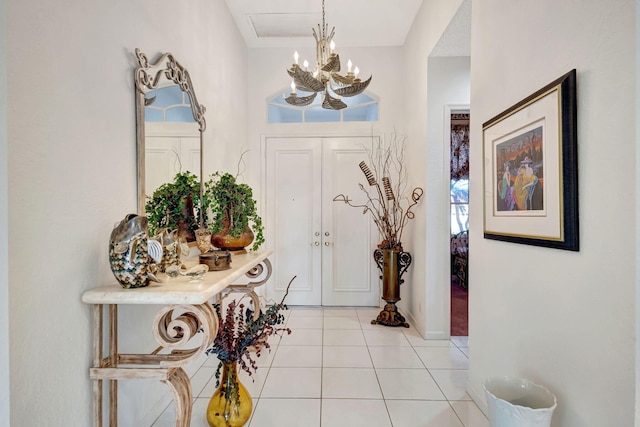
[326, 244]
[348, 274]
[293, 217]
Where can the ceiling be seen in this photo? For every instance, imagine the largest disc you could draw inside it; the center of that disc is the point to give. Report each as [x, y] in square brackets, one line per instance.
[288, 23]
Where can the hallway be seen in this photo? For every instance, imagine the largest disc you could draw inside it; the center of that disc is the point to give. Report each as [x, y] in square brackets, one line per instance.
[337, 369]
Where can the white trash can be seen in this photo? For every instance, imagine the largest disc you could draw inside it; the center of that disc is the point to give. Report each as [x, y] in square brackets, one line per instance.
[517, 402]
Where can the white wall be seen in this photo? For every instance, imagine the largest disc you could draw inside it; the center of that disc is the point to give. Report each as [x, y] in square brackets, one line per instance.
[72, 175]
[4, 228]
[425, 163]
[562, 319]
[447, 85]
[637, 181]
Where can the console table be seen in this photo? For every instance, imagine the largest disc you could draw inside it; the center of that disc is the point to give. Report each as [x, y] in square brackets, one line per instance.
[186, 309]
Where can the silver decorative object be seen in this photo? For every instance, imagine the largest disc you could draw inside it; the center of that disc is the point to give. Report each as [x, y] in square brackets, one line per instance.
[325, 78]
[130, 261]
[169, 241]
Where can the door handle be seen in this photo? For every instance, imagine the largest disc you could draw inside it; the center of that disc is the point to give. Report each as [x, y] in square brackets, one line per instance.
[326, 233]
[317, 243]
[327, 243]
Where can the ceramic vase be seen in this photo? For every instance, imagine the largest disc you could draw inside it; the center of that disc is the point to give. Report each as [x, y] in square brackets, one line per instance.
[230, 405]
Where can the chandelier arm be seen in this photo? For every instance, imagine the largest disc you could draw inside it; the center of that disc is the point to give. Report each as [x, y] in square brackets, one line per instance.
[300, 101]
[354, 89]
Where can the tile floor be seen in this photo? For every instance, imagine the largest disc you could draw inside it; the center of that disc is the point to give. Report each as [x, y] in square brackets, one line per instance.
[336, 369]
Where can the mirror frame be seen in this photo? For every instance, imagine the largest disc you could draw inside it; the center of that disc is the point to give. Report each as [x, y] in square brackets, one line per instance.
[147, 77]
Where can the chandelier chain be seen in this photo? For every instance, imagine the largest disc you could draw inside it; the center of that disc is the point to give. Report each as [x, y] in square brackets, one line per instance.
[323, 25]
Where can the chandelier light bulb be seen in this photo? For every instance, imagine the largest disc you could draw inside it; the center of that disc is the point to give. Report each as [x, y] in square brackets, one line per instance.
[293, 87]
[332, 46]
[305, 64]
[295, 57]
[356, 71]
[349, 65]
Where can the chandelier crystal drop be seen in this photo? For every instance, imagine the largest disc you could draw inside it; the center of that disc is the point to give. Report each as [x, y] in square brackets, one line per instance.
[325, 78]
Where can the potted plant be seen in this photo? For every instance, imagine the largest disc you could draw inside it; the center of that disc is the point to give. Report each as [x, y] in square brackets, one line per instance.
[174, 205]
[231, 209]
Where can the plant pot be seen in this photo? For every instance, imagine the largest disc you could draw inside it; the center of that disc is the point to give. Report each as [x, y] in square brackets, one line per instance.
[224, 240]
[230, 405]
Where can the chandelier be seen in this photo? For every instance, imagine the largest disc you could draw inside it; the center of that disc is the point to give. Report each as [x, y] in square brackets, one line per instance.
[325, 77]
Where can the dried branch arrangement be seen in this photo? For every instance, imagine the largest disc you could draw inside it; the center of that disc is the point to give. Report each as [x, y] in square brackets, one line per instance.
[388, 199]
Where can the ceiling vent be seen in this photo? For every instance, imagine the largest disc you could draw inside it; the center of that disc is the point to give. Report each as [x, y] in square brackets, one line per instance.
[283, 24]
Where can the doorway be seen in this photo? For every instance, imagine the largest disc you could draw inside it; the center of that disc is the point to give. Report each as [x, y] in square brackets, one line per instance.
[459, 220]
[327, 245]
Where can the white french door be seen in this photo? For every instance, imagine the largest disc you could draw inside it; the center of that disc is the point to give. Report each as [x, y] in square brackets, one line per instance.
[327, 245]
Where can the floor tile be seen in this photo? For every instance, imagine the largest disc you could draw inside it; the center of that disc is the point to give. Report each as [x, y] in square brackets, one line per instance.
[201, 378]
[342, 322]
[351, 337]
[442, 358]
[408, 384]
[354, 413]
[460, 341]
[346, 357]
[422, 413]
[198, 415]
[292, 383]
[365, 323]
[453, 383]
[470, 414]
[303, 337]
[286, 412]
[395, 357]
[340, 311]
[368, 313]
[350, 383]
[301, 356]
[305, 322]
[305, 311]
[385, 337]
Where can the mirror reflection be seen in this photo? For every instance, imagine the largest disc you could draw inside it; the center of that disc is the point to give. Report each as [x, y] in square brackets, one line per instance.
[172, 138]
[169, 126]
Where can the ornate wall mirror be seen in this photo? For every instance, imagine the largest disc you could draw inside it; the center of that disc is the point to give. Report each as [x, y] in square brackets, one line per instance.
[169, 124]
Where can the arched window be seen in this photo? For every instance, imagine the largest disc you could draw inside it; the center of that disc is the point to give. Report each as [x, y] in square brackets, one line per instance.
[360, 108]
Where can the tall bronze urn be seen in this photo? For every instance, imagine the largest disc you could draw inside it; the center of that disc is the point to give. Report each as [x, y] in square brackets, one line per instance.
[392, 264]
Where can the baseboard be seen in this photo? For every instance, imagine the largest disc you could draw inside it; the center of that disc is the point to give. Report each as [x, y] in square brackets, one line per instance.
[478, 397]
[438, 335]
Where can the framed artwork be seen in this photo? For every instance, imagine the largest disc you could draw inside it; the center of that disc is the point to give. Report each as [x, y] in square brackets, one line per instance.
[530, 169]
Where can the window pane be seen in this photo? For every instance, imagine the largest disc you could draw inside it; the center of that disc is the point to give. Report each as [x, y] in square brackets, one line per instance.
[459, 218]
[460, 190]
[284, 115]
[368, 113]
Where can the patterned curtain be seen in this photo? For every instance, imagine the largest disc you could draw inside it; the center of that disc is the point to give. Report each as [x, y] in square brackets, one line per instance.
[460, 148]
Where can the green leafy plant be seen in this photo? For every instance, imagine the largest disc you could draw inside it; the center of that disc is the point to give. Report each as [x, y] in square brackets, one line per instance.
[174, 203]
[231, 204]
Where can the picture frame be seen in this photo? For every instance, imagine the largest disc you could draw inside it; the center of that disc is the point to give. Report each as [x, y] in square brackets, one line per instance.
[530, 169]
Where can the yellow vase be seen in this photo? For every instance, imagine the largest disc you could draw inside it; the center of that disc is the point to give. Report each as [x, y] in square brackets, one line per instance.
[230, 405]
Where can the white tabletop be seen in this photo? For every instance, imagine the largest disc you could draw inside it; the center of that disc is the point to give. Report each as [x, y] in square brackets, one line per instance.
[179, 290]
